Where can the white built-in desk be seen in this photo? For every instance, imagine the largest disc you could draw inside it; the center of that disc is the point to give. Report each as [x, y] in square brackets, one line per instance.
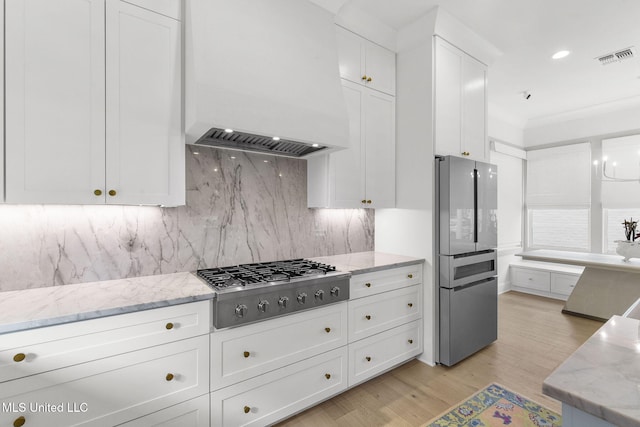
[607, 286]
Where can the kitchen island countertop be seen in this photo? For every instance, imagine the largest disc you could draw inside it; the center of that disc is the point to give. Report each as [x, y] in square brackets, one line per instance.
[367, 262]
[602, 377]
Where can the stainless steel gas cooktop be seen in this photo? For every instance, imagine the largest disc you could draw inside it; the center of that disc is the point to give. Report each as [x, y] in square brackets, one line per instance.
[252, 292]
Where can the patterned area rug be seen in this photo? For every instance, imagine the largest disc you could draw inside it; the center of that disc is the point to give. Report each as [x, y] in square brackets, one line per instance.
[496, 406]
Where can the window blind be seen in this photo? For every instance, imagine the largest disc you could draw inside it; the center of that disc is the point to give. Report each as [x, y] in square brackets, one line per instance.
[559, 176]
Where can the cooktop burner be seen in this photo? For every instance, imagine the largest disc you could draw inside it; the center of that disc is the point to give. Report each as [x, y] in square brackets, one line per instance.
[260, 273]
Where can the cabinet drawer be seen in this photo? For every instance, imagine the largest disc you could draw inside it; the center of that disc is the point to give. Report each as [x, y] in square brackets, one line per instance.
[44, 349]
[563, 284]
[533, 279]
[363, 285]
[278, 394]
[368, 316]
[241, 353]
[380, 352]
[113, 390]
[192, 413]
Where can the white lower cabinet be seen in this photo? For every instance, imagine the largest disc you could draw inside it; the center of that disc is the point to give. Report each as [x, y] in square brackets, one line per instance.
[544, 279]
[383, 311]
[376, 354]
[278, 394]
[241, 353]
[192, 413]
[112, 390]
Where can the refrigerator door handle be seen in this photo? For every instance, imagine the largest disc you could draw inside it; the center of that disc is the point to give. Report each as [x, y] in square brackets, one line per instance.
[475, 205]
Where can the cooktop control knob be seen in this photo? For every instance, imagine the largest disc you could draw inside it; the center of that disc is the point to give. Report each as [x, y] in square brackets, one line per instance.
[319, 294]
[335, 291]
[302, 298]
[283, 302]
[263, 306]
[241, 310]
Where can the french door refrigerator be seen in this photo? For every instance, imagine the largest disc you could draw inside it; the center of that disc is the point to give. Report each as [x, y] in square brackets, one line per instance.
[466, 236]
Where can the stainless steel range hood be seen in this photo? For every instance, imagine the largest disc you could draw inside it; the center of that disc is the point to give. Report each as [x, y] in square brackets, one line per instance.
[263, 69]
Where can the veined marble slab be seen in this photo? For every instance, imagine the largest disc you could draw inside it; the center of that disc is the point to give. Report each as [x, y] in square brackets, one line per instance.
[241, 208]
[365, 262]
[602, 377]
[33, 308]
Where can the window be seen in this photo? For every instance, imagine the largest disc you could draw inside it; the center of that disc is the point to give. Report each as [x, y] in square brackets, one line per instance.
[558, 197]
[559, 229]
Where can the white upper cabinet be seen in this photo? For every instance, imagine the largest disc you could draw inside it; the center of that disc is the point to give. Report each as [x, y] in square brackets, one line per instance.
[363, 175]
[62, 144]
[366, 63]
[460, 103]
[55, 98]
[144, 141]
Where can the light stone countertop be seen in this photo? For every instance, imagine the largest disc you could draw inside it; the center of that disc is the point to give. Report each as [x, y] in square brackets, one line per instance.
[609, 262]
[33, 308]
[367, 262]
[602, 377]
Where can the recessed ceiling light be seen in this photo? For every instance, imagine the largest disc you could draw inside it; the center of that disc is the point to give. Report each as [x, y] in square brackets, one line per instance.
[314, 145]
[561, 54]
[228, 130]
[276, 138]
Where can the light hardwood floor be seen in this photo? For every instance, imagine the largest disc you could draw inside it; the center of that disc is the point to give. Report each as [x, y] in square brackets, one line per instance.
[534, 337]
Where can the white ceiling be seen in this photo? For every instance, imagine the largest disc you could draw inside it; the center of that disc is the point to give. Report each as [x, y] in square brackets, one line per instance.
[528, 32]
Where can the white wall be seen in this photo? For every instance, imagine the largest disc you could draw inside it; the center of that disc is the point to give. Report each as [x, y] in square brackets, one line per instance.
[582, 124]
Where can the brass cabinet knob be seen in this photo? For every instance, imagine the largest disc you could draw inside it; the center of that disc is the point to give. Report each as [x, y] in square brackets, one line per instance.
[368, 359]
[410, 341]
[364, 77]
[410, 304]
[367, 317]
[368, 285]
[368, 79]
[368, 202]
[112, 193]
[327, 330]
[169, 377]
[247, 409]
[363, 201]
[327, 376]
[97, 192]
[246, 354]
[410, 276]
[19, 357]
[19, 422]
[465, 153]
[169, 326]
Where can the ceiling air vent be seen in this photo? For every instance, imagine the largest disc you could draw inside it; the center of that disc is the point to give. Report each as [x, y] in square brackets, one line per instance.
[616, 56]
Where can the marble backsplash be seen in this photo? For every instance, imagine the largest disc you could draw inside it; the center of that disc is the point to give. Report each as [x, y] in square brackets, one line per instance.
[241, 207]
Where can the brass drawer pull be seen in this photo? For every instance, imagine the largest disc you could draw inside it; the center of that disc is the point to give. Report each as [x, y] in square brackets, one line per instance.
[246, 354]
[368, 202]
[368, 359]
[367, 317]
[327, 376]
[97, 192]
[363, 201]
[368, 79]
[410, 276]
[247, 409]
[19, 422]
[19, 357]
[169, 377]
[364, 77]
[112, 193]
[327, 330]
[410, 341]
[368, 285]
[169, 326]
[410, 305]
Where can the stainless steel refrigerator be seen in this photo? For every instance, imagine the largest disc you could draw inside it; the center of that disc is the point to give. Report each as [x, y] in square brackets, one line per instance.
[466, 211]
